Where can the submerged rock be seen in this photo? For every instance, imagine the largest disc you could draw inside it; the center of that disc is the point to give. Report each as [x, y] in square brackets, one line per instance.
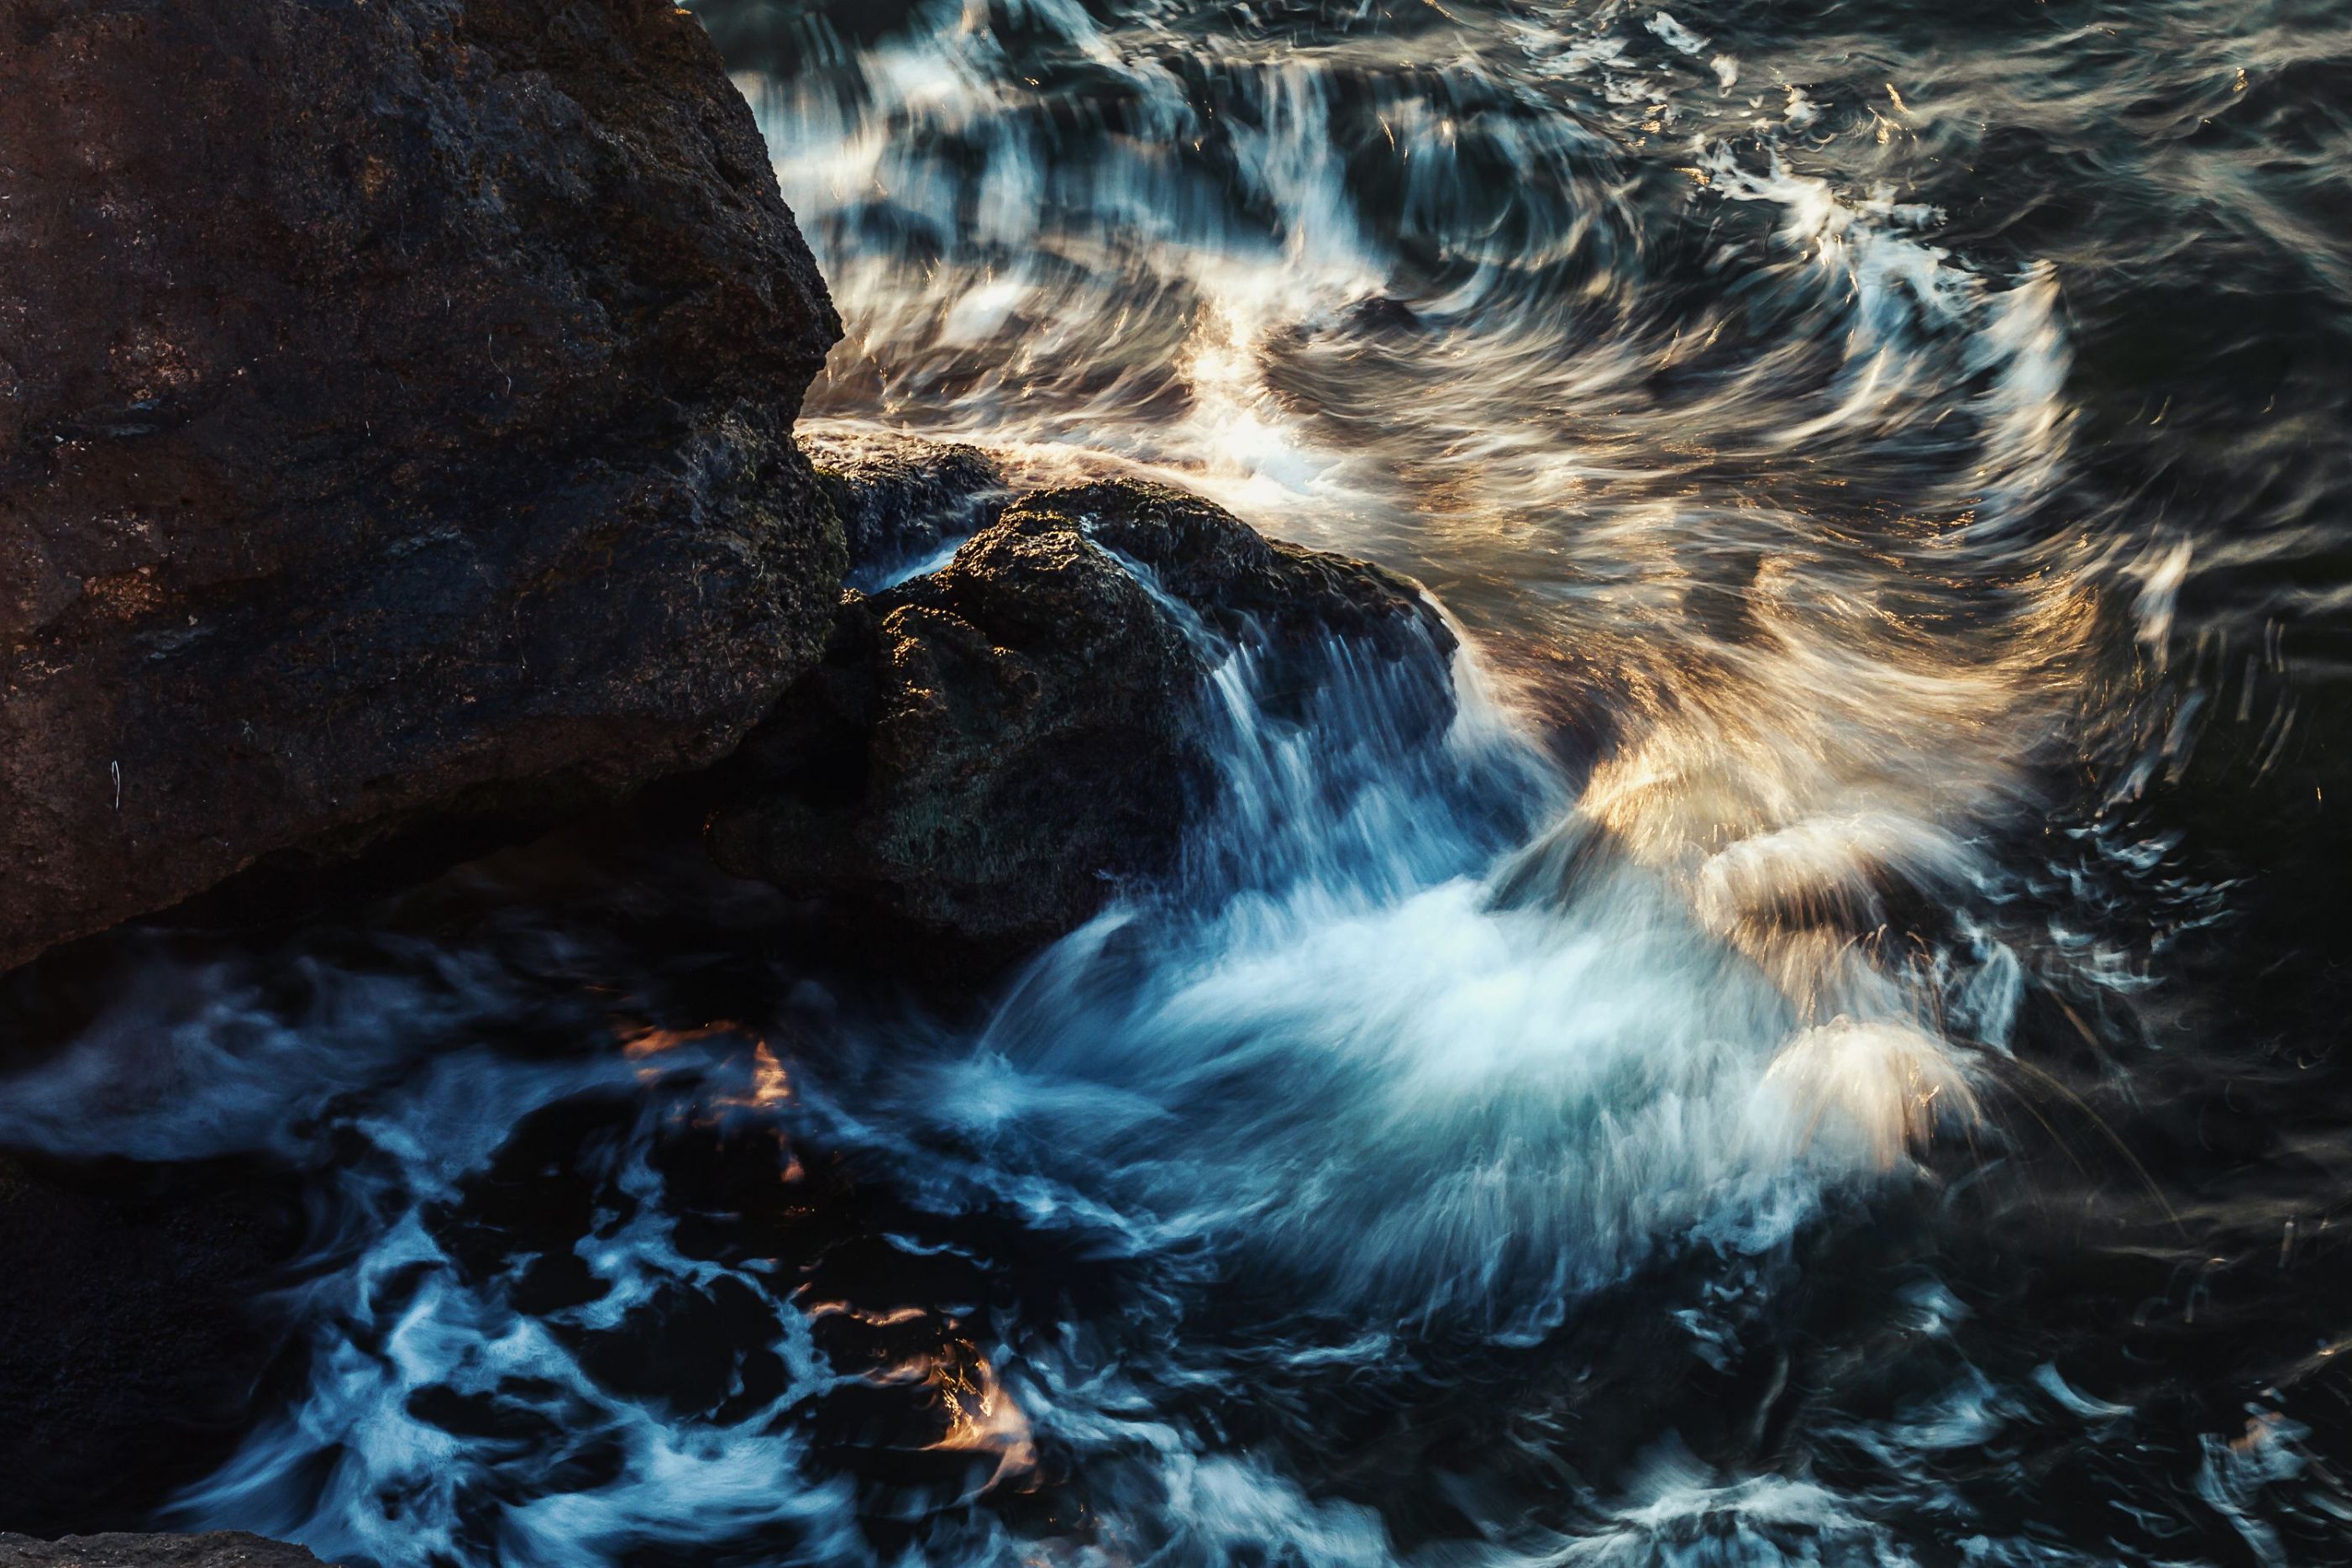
[221, 1549]
[986, 752]
[902, 499]
[394, 427]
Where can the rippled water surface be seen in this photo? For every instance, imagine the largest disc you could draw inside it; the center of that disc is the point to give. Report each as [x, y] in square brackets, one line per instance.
[1834, 1059]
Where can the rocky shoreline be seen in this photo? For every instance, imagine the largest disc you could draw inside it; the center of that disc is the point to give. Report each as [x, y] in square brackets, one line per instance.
[422, 477]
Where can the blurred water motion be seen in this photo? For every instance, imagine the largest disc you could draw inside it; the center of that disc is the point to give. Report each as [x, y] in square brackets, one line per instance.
[1832, 1059]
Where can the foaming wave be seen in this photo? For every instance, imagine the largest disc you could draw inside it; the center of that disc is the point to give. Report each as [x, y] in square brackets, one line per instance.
[447, 1420]
[200, 1058]
[720, 1288]
[1427, 1040]
[1373, 1058]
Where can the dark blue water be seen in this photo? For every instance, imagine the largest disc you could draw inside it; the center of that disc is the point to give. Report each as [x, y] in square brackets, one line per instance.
[1834, 1059]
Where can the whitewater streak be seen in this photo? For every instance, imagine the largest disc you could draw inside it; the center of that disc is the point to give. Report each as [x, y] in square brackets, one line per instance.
[1689, 929]
[1876, 703]
[1353, 1049]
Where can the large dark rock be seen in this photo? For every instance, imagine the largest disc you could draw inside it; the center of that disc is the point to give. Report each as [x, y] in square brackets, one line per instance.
[132, 1350]
[988, 751]
[223, 1549]
[394, 427]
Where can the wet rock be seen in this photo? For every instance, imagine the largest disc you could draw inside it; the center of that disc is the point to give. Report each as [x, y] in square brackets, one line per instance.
[1252, 589]
[987, 752]
[221, 1549]
[1382, 313]
[902, 499]
[134, 1348]
[395, 428]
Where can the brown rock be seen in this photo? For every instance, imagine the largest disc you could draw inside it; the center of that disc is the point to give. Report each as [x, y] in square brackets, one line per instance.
[902, 499]
[988, 751]
[395, 426]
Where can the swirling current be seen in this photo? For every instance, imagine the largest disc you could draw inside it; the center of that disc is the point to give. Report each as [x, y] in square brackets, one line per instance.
[1835, 1058]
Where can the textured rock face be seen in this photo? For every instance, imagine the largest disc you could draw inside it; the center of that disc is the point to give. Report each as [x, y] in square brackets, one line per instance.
[394, 425]
[901, 498]
[225, 1549]
[132, 1352]
[986, 751]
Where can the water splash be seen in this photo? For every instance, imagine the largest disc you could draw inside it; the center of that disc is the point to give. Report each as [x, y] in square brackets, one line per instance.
[1432, 1169]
